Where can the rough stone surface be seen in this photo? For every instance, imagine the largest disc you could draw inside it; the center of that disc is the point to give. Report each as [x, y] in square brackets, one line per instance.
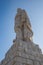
[23, 51]
[22, 25]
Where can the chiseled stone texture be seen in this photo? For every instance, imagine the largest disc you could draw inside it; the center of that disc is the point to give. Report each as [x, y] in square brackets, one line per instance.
[23, 51]
[22, 25]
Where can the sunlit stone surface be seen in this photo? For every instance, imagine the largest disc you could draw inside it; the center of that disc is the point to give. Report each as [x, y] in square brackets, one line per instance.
[23, 51]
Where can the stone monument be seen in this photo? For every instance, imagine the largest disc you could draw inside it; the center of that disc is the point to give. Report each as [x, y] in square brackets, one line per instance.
[22, 25]
[23, 51]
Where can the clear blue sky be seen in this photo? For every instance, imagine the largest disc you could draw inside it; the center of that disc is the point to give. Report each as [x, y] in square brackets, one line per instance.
[8, 9]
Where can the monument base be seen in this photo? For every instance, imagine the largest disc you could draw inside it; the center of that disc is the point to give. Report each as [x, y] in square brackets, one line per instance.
[23, 53]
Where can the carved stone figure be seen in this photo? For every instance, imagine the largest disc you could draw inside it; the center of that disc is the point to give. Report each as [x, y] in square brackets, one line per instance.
[23, 51]
[22, 25]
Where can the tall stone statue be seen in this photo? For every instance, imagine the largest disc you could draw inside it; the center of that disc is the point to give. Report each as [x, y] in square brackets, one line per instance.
[23, 51]
[22, 26]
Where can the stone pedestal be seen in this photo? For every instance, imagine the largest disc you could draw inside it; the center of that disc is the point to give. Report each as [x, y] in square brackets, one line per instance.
[23, 53]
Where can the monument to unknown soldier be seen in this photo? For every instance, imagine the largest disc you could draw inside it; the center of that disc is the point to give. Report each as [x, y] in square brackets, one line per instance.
[23, 51]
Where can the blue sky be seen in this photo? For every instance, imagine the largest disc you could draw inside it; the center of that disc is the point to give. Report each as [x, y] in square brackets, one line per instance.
[8, 8]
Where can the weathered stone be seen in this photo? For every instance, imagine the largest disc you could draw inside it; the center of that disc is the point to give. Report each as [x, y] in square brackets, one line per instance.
[23, 51]
[22, 26]
[36, 63]
[29, 62]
